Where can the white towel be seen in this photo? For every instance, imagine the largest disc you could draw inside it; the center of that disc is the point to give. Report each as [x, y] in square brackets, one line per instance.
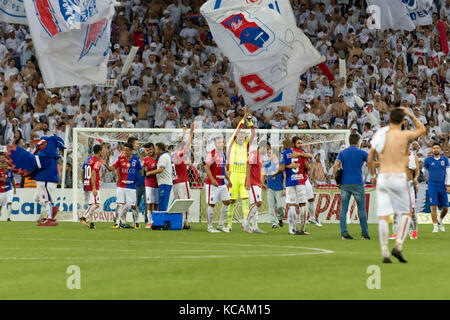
[379, 139]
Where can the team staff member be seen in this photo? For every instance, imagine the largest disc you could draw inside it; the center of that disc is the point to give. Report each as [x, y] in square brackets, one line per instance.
[351, 160]
[276, 191]
[164, 176]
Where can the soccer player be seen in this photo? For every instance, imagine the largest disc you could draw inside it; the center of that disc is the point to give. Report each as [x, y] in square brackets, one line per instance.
[151, 183]
[301, 167]
[164, 176]
[140, 181]
[91, 195]
[276, 191]
[438, 168]
[216, 187]
[7, 185]
[295, 184]
[393, 194]
[126, 167]
[305, 153]
[237, 152]
[181, 178]
[253, 185]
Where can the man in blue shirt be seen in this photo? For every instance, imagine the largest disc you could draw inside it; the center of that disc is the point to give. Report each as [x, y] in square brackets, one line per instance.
[351, 160]
[438, 168]
[276, 191]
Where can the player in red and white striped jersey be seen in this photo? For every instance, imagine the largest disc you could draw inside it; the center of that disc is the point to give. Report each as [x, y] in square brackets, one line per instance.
[216, 185]
[253, 185]
[151, 183]
[92, 186]
[181, 175]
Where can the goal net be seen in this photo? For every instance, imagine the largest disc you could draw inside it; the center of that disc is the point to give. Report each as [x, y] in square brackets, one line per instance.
[324, 145]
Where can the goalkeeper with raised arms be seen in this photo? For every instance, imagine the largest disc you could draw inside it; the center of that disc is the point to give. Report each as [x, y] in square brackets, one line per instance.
[237, 153]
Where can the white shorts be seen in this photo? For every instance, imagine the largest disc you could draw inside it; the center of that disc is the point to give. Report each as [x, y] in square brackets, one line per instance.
[216, 194]
[255, 194]
[296, 194]
[6, 197]
[393, 194]
[90, 199]
[151, 195]
[412, 192]
[181, 190]
[44, 191]
[309, 190]
[127, 196]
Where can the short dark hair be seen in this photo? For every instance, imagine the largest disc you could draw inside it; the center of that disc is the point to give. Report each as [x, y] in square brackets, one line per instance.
[161, 146]
[396, 116]
[149, 145]
[97, 148]
[128, 145]
[295, 139]
[131, 140]
[354, 139]
[436, 144]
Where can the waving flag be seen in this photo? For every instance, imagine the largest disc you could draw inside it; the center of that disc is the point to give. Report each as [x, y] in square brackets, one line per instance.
[267, 50]
[72, 39]
[403, 14]
[13, 11]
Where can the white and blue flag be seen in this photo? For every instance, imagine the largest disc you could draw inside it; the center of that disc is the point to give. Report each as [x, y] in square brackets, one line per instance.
[13, 11]
[267, 50]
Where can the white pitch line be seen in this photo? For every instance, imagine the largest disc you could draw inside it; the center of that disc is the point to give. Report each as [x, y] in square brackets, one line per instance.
[236, 254]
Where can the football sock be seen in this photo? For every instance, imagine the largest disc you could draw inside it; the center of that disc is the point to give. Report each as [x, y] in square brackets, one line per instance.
[9, 211]
[394, 224]
[48, 205]
[88, 211]
[253, 210]
[245, 208]
[303, 217]
[209, 216]
[135, 215]
[292, 218]
[413, 226]
[383, 231]
[230, 214]
[223, 215]
[255, 218]
[149, 217]
[311, 210]
[402, 231]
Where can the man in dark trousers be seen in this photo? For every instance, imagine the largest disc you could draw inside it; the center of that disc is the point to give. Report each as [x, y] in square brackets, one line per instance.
[351, 161]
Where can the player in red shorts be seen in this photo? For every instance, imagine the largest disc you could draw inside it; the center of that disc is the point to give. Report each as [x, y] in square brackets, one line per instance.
[181, 175]
[253, 186]
[92, 187]
[151, 183]
[216, 185]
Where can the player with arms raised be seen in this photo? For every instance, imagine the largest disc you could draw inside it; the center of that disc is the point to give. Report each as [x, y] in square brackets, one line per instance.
[92, 197]
[181, 175]
[391, 144]
[237, 161]
[216, 185]
[253, 185]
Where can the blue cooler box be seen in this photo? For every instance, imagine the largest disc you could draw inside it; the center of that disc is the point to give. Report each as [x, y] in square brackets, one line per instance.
[167, 221]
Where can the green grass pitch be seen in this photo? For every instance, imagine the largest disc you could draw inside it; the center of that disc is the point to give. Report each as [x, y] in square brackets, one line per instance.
[194, 264]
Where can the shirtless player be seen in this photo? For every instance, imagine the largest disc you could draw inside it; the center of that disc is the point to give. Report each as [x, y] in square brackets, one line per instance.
[393, 193]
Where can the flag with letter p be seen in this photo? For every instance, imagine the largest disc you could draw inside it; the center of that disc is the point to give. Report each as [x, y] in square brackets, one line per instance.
[267, 51]
[71, 38]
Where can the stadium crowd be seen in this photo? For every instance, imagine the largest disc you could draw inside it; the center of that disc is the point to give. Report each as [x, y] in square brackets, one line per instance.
[179, 76]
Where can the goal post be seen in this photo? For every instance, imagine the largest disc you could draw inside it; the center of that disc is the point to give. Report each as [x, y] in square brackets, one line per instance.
[202, 143]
